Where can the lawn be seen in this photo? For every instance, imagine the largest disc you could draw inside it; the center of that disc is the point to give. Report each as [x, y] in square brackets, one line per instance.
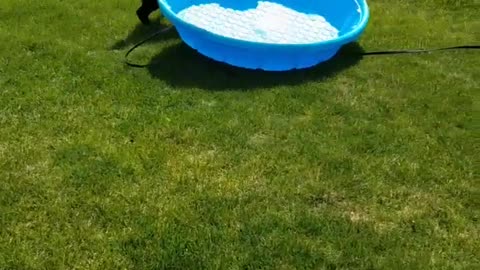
[190, 164]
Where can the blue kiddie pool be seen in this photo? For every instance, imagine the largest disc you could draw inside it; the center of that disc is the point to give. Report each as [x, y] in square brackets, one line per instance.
[275, 35]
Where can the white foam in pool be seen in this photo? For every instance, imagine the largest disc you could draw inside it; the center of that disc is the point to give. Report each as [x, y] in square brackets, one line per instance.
[268, 23]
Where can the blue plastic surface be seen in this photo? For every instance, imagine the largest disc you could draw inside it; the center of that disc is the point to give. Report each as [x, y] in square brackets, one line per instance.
[350, 17]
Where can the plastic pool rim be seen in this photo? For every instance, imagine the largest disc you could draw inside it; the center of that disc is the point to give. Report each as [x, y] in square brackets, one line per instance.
[335, 43]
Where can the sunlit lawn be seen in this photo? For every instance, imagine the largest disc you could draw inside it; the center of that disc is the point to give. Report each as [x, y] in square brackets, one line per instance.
[190, 164]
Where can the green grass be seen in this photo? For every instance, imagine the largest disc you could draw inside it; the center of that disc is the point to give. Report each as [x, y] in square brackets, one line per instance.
[358, 164]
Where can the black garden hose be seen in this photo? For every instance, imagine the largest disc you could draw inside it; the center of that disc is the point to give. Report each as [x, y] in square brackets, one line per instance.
[372, 53]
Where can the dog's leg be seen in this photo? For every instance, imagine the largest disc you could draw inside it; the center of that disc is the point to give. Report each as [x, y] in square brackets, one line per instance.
[147, 7]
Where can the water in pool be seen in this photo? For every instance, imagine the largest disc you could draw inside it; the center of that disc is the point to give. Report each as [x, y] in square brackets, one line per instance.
[267, 23]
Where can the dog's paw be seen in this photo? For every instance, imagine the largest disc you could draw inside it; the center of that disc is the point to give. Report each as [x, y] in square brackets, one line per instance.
[143, 17]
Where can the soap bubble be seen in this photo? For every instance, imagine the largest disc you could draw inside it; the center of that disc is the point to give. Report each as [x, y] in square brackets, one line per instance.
[267, 23]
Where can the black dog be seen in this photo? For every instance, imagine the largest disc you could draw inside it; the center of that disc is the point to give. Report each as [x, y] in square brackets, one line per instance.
[147, 7]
